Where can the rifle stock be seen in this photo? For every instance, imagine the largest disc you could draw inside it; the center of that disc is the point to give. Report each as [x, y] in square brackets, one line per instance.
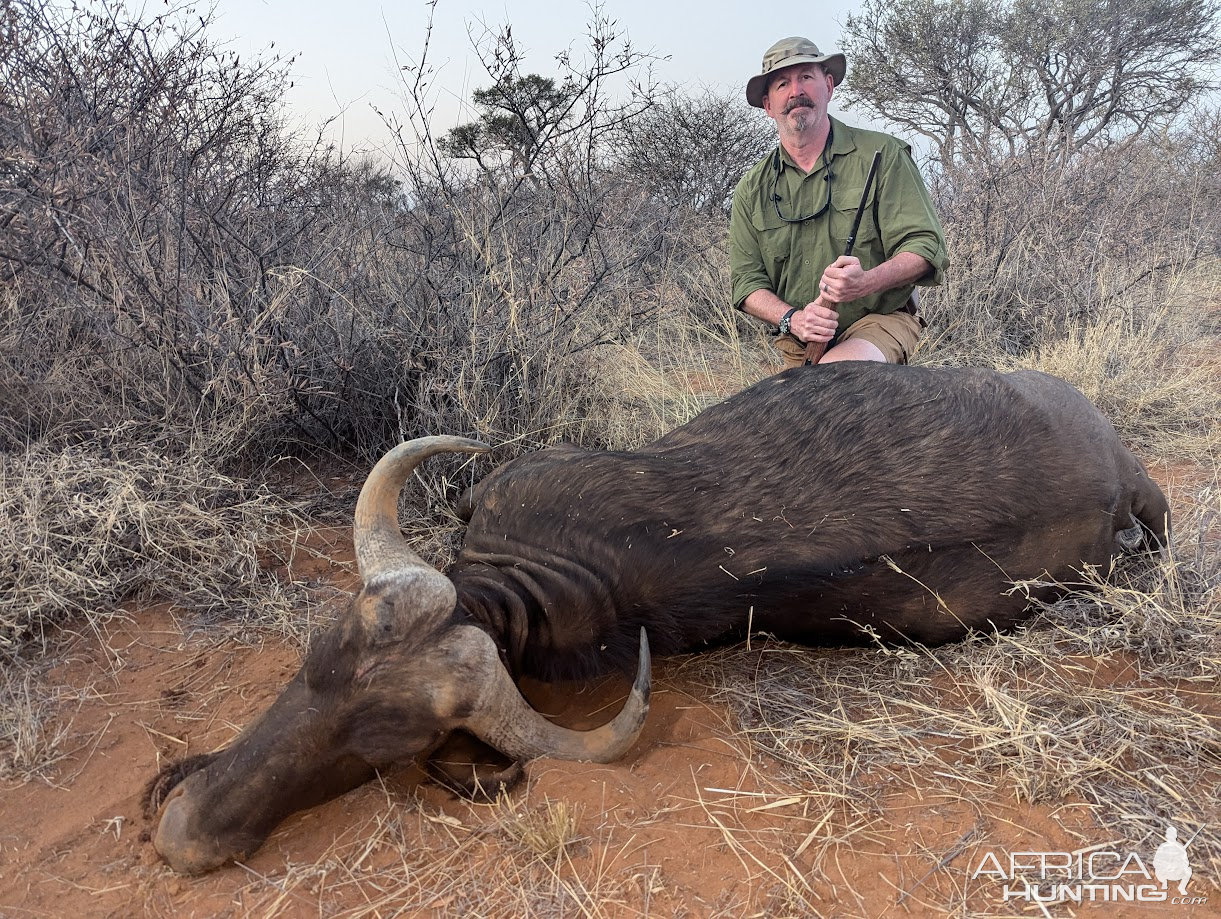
[816, 349]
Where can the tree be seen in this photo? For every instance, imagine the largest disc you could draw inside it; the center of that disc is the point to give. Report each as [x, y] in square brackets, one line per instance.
[976, 77]
[690, 150]
[515, 115]
[526, 119]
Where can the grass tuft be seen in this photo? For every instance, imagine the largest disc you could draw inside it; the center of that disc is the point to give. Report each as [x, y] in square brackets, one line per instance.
[86, 530]
[549, 830]
[1106, 697]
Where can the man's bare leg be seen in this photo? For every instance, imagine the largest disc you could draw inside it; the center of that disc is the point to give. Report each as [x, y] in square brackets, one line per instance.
[854, 349]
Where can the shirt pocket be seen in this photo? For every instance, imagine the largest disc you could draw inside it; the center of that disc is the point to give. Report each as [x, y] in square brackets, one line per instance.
[775, 238]
[845, 202]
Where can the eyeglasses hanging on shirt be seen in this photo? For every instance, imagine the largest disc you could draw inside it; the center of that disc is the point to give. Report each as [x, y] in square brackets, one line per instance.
[826, 162]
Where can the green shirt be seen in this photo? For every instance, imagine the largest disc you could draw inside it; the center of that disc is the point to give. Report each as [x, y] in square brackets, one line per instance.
[788, 259]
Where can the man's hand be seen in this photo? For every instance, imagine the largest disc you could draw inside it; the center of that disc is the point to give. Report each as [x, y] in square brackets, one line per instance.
[844, 281]
[817, 321]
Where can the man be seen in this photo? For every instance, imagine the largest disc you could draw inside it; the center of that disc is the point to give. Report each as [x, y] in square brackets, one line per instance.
[793, 213]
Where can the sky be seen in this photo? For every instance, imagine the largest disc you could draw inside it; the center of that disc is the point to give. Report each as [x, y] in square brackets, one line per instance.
[349, 51]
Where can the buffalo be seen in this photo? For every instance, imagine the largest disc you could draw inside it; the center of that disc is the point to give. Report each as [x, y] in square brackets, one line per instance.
[827, 505]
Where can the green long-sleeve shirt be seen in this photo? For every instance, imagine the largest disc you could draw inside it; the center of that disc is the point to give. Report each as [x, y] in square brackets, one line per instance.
[765, 252]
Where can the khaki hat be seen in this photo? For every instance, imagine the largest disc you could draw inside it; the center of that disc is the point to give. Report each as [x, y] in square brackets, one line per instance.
[785, 53]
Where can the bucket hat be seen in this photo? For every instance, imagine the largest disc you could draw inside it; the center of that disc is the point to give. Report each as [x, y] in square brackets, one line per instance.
[785, 53]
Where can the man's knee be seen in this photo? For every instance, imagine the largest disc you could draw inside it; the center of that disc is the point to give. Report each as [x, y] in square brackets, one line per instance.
[856, 349]
[891, 338]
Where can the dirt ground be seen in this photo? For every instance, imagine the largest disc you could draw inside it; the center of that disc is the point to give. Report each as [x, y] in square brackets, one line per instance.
[691, 823]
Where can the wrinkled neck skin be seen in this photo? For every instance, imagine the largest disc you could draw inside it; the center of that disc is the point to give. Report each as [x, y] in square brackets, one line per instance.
[514, 600]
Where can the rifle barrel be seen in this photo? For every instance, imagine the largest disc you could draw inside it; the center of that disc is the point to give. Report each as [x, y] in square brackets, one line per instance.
[816, 349]
[860, 208]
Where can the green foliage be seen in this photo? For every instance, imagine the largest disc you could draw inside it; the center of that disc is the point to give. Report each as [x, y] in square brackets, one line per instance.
[529, 123]
[978, 78]
[515, 116]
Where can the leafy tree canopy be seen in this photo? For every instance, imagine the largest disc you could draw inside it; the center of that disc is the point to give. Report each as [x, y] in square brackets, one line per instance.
[979, 76]
[515, 116]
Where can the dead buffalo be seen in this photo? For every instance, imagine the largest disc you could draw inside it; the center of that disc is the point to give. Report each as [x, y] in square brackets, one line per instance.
[824, 505]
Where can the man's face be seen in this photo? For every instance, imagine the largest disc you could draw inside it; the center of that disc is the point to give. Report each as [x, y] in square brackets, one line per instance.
[797, 97]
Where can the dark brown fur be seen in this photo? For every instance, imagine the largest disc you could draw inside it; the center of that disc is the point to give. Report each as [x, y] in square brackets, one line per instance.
[786, 505]
[826, 505]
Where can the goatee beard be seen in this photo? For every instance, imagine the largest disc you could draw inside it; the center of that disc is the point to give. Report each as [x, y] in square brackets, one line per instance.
[802, 117]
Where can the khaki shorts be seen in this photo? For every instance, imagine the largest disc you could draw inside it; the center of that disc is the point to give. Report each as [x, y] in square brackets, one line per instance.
[894, 334]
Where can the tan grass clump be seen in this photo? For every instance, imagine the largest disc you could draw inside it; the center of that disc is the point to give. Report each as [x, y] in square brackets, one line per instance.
[549, 830]
[1148, 379]
[30, 739]
[503, 859]
[84, 530]
[696, 354]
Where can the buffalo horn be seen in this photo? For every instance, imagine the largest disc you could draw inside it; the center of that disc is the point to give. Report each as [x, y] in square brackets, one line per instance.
[380, 546]
[381, 551]
[506, 721]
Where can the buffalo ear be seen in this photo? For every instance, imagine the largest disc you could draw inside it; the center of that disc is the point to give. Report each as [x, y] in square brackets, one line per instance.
[471, 769]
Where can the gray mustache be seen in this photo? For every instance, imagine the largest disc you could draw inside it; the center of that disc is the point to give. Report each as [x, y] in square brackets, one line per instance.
[798, 103]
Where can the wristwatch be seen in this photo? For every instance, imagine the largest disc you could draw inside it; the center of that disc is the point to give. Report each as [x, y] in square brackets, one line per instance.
[786, 320]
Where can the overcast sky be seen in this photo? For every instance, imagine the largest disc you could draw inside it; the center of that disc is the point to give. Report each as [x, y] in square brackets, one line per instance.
[346, 48]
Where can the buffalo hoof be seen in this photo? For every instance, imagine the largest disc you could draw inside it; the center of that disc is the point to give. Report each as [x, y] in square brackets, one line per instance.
[471, 769]
[169, 778]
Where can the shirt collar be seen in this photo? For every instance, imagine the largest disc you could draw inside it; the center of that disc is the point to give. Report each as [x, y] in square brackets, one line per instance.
[843, 141]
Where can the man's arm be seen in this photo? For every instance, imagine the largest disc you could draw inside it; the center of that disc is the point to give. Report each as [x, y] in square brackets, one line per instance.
[908, 223]
[844, 280]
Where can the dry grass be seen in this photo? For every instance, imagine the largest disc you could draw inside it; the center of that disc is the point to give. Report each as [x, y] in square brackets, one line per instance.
[1104, 704]
[1149, 363]
[664, 379]
[1157, 378]
[85, 533]
[1108, 699]
[579, 310]
[31, 741]
[549, 831]
[509, 858]
[85, 530]
[539, 858]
